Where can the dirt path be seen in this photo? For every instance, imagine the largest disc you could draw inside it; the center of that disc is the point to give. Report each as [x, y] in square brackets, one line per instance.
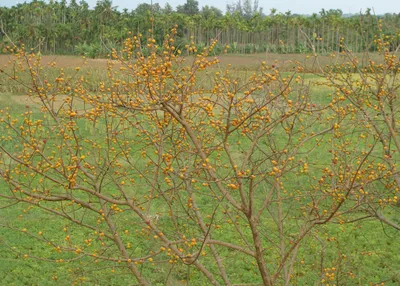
[240, 61]
[62, 61]
[286, 62]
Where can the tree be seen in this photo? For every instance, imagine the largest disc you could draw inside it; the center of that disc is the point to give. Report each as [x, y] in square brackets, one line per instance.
[191, 7]
[372, 96]
[144, 8]
[50, 26]
[235, 8]
[167, 177]
[167, 9]
[208, 12]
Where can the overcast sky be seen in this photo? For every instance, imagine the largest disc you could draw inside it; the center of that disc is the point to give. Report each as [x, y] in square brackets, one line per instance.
[296, 6]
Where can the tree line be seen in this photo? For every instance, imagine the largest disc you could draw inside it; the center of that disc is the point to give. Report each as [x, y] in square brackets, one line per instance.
[62, 27]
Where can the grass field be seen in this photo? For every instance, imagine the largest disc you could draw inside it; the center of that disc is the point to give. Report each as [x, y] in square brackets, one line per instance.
[95, 69]
[366, 252]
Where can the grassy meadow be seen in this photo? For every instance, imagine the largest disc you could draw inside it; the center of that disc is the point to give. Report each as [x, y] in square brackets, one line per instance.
[362, 253]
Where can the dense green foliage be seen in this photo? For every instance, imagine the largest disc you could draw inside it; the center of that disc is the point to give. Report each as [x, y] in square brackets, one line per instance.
[69, 27]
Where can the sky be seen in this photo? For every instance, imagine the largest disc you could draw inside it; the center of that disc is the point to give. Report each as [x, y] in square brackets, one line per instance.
[295, 6]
